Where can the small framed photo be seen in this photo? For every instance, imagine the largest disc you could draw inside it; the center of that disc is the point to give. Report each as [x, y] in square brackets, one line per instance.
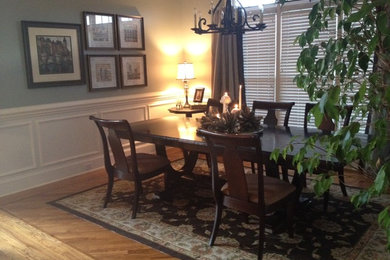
[53, 54]
[99, 30]
[198, 95]
[133, 70]
[131, 32]
[103, 72]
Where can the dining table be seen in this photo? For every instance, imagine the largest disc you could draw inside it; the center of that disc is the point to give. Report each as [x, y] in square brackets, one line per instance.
[181, 132]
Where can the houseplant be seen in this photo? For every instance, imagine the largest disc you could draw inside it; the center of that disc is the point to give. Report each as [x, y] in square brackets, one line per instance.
[353, 69]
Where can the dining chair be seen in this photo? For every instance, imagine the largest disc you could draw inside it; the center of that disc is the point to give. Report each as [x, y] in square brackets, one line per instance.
[135, 167]
[213, 105]
[249, 193]
[327, 126]
[271, 121]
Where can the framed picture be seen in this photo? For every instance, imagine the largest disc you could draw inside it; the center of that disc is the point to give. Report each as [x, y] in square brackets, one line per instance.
[103, 72]
[99, 30]
[53, 53]
[133, 70]
[131, 32]
[198, 96]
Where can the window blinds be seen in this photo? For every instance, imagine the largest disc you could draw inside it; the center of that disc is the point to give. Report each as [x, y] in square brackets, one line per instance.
[259, 50]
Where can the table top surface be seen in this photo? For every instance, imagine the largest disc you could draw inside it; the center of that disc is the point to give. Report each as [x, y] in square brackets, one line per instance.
[182, 132]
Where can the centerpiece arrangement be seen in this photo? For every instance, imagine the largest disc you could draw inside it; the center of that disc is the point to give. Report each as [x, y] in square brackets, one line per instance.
[233, 121]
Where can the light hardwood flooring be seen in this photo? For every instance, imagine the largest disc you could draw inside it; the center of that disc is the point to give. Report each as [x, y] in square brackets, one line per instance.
[32, 229]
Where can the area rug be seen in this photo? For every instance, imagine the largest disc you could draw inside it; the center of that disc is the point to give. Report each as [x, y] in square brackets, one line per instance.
[181, 227]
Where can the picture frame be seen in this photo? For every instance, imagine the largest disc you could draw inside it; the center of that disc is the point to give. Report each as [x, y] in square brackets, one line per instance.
[103, 72]
[133, 70]
[100, 31]
[131, 32]
[198, 95]
[53, 54]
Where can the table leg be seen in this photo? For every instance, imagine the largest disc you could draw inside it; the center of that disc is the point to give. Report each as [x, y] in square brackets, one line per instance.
[190, 158]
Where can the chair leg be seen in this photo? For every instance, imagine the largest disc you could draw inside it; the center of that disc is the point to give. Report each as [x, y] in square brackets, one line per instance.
[110, 184]
[326, 200]
[217, 221]
[261, 236]
[253, 167]
[137, 192]
[290, 217]
[208, 159]
[342, 182]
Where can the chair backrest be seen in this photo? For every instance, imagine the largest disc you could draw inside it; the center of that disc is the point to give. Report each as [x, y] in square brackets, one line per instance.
[112, 132]
[270, 119]
[234, 149]
[326, 125]
[368, 123]
[213, 103]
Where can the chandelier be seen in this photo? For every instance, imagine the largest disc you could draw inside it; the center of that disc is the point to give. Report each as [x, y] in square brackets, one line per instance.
[230, 19]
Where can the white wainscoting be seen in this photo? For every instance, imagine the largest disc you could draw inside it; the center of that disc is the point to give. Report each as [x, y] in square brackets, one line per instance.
[46, 143]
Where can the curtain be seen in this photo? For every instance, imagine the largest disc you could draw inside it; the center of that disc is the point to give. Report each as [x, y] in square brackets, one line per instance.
[224, 64]
[227, 65]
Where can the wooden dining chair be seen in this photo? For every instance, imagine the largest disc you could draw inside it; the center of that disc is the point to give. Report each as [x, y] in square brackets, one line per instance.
[249, 193]
[271, 121]
[135, 167]
[326, 125]
[213, 105]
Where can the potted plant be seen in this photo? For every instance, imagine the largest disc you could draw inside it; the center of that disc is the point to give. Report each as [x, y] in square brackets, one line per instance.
[353, 69]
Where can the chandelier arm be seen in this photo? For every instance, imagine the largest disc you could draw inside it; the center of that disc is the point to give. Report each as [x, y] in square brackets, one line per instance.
[228, 23]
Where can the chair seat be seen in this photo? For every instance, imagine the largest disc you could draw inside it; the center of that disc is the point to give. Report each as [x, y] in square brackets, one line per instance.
[274, 189]
[148, 163]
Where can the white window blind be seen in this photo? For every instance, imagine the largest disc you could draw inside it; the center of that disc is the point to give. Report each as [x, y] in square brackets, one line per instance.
[260, 62]
[262, 80]
[293, 23]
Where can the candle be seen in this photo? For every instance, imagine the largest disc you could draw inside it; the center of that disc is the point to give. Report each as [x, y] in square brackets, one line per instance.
[235, 109]
[240, 97]
[194, 17]
[212, 11]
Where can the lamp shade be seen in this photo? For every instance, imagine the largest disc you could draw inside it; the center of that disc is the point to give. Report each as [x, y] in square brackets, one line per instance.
[185, 71]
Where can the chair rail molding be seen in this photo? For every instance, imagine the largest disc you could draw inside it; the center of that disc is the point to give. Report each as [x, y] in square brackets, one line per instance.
[46, 143]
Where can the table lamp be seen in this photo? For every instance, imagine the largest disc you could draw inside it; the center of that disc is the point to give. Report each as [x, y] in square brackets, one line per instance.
[185, 72]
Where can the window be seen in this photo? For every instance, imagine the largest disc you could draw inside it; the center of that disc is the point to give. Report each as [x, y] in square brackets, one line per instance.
[270, 58]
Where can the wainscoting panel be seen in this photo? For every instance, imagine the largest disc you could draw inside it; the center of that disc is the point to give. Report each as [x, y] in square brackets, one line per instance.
[160, 109]
[131, 114]
[45, 143]
[16, 148]
[72, 137]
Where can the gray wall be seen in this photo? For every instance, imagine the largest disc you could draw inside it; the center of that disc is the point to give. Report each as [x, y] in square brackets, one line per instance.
[163, 20]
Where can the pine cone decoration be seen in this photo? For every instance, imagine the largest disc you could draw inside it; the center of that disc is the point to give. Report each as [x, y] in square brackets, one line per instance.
[248, 121]
[228, 123]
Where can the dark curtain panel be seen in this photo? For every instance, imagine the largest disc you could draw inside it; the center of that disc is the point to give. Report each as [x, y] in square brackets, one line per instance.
[227, 66]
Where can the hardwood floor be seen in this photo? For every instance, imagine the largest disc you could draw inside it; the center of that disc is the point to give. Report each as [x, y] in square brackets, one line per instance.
[32, 229]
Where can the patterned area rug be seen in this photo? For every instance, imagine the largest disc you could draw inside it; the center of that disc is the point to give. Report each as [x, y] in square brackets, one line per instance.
[182, 227]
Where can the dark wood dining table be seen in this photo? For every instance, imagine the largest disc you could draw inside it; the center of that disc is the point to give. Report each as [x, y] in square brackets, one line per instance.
[179, 131]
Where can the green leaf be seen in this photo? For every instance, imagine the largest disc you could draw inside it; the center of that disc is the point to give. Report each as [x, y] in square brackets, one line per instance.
[275, 155]
[382, 179]
[322, 184]
[382, 24]
[364, 10]
[384, 222]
